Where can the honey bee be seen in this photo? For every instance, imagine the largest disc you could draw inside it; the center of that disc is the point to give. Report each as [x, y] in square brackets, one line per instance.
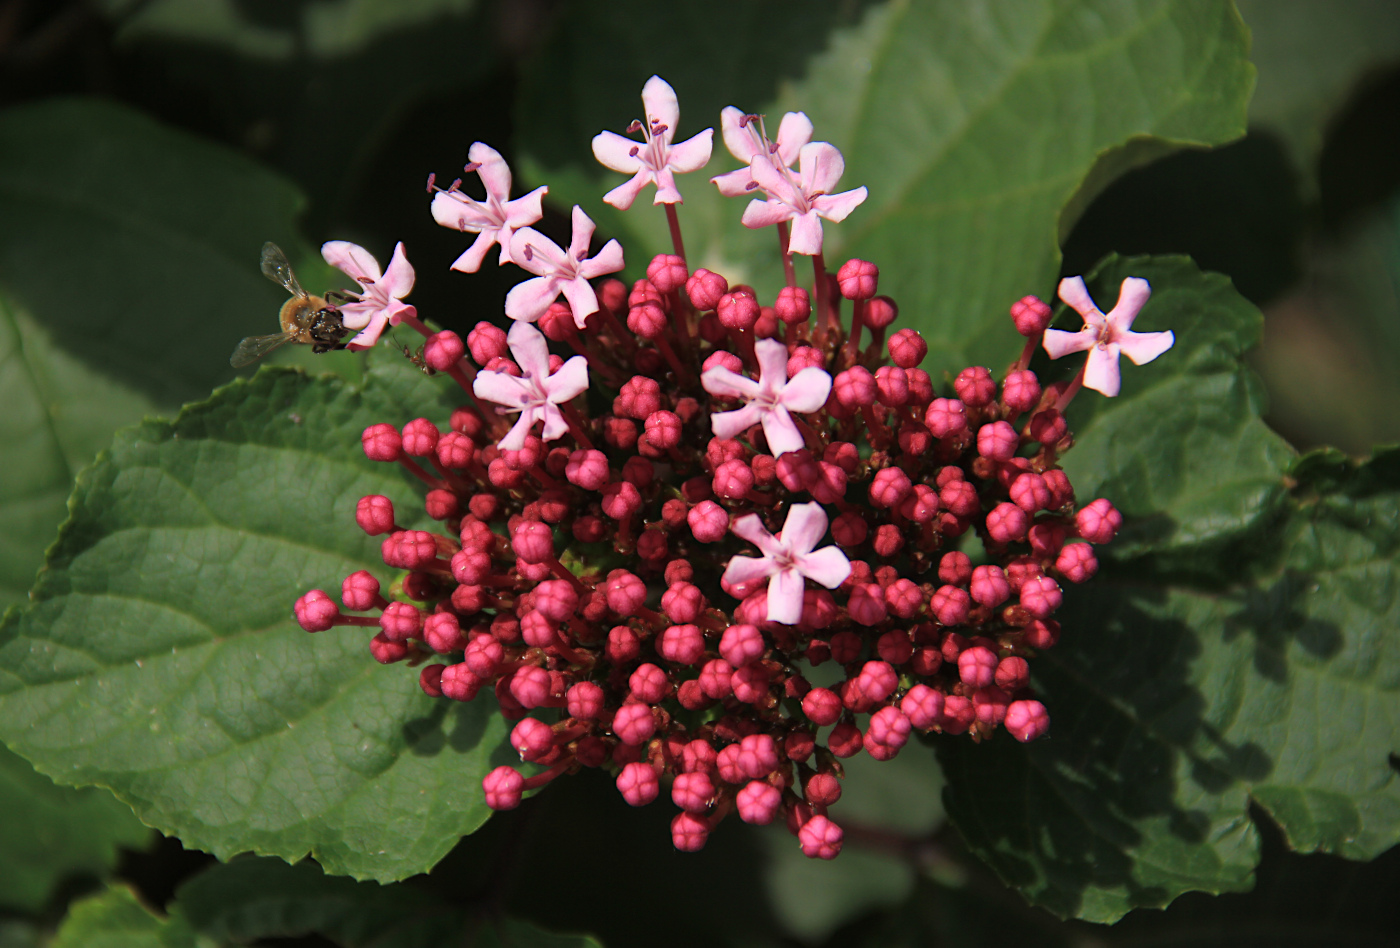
[305, 318]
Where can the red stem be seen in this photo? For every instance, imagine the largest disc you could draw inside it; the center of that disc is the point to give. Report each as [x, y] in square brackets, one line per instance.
[819, 277]
[675, 224]
[789, 274]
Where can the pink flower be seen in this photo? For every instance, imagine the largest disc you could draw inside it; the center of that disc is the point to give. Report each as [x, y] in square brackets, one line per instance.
[380, 295]
[559, 272]
[788, 559]
[1105, 336]
[746, 141]
[769, 399]
[495, 220]
[654, 161]
[804, 200]
[536, 394]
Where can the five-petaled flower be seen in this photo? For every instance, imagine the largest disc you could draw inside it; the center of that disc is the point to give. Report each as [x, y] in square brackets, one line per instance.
[788, 559]
[1105, 336]
[770, 399]
[654, 160]
[496, 219]
[745, 139]
[804, 200]
[537, 393]
[559, 272]
[381, 294]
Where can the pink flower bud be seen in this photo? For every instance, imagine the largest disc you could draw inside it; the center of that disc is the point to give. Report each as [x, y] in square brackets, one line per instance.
[458, 683]
[430, 680]
[989, 705]
[822, 706]
[945, 417]
[649, 684]
[989, 586]
[1020, 391]
[1099, 522]
[793, 305]
[537, 631]
[663, 429]
[587, 469]
[585, 700]
[504, 365]
[382, 443]
[639, 397]
[854, 388]
[625, 592]
[623, 645]
[880, 312]
[997, 441]
[682, 644]
[867, 604]
[904, 599]
[822, 789]
[820, 838]
[638, 784]
[888, 541]
[647, 320]
[530, 686]
[922, 706]
[749, 683]
[955, 568]
[316, 612]
[907, 348]
[708, 521]
[503, 787]
[643, 291]
[877, 680]
[891, 386]
[689, 833]
[1026, 720]
[758, 802]
[804, 357]
[682, 602]
[960, 499]
[455, 450]
[484, 654]
[850, 529]
[667, 272]
[532, 739]
[634, 724]
[621, 500]
[1048, 426]
[1040, 596]
[420, 437]
[977, 666]
[1007, 523]
[889, 488]
[1030, 315]
[443, 633]
[486, 342]
[742, 644]
[705, 289]
[1013, 673]
[857, 279]
[958, 714]
[844, 740]
[975, 387]
[715, 678]
[533, 542]
[1076, 563]
[733, 480]
[359, 591]
[443, 350]
[401, 622]
[888, 732]
[758, 756]
[1046, 539]
[737, 310]
[950, 605]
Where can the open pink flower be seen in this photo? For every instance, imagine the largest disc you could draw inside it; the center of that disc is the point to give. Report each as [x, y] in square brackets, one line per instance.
[788, 559]
[536, 394]
[769, 399]
[654, 160]
[805, 199]
[1105, 336]
[381, 294]
[746, 141]
[496, 219]
[559, 272]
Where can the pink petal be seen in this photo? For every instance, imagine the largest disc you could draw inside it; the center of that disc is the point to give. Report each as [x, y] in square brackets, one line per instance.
[785, 591]
[471, 260]
[727, 424]
[555, 427]
[772, 364]
[821, 166]
[750, 527]
[607, 260]
[807, 390]
[691, 154]
[775, 181]
[544, 257]
[666, 190]
[743, 142]
[721, 381]
[370, 334]
[502, 389]
[781, 432]
[617, 153]
[622, 196]
[793, 133]
[530, 299]
[746, 569]
[570, 381]
[659, 99]
[734, 183]
[804, 528]
[1143, 347]
[358, 315]
[525, 209]
[583, 302]
[456, 210]
[397, 281]
[827, 566]
[351, 259]
[515, 438]
[1101, 370]
[530, 350]
[836, 207]
[494, 171]
[1132, 296]
[1059, 343]
[582, 235]
[1076, 296]
[396, 311]
[806, 236]
[765, 213]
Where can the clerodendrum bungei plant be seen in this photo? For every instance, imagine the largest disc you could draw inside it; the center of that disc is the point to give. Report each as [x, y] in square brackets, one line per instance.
[649, 548]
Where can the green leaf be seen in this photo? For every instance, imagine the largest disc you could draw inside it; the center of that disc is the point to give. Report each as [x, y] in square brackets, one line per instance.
[1175, 706]
[49, 832]
[971, 124]
[136, 246]
[1181, 451]
[115, 919]
[159, 657]
[59, 414]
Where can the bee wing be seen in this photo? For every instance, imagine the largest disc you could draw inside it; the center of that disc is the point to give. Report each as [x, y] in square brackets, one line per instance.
[254, 348]
[276, 268]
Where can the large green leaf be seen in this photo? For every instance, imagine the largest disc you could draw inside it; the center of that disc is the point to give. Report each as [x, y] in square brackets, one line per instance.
[159, 657]
[49, 832]
[58, 414]
[115, 919]
[971, 124]
[1174, 706]
[136, 246]
[1181, 451]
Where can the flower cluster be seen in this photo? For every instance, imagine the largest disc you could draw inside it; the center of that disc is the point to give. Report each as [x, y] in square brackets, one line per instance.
[729, 542]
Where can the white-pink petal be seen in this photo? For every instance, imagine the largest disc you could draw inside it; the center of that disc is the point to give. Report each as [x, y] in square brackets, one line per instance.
[661, 105]
[750, 527]
[691, 154]
[617, 153]
[804, 528]
[827, 567]
[780, 431]
[746, 569]
[528, 301]
[1101, 370]
[821, 166]
[727, 424]
[1059, 343]
[1143, 347]
[785, 591]
[727, 384]
[807, 391]
[806, 234]
[837, 207]
[766, 214]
